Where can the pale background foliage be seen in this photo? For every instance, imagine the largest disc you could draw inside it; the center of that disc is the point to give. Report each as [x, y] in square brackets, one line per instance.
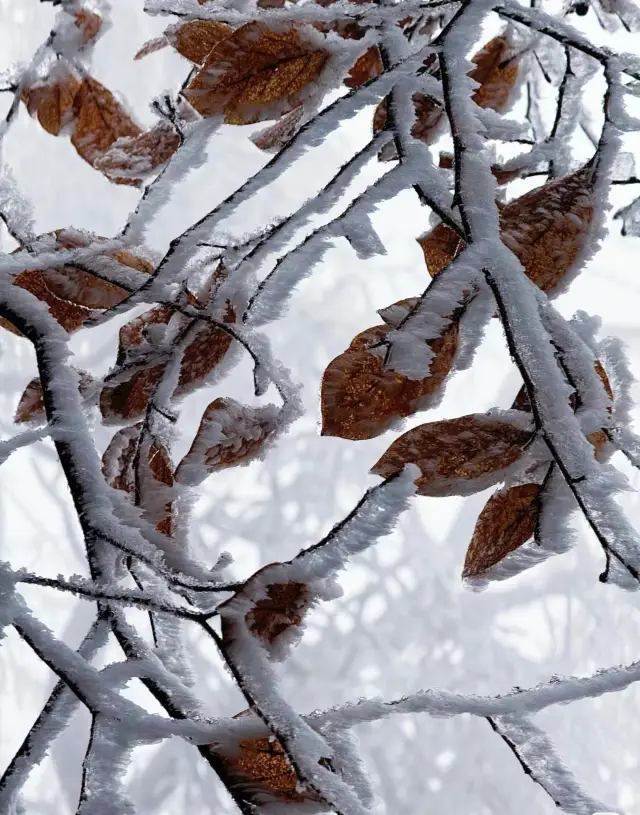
[405, 621]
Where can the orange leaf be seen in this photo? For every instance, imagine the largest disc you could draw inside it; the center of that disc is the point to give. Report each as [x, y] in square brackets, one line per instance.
[256, 74]
[546, 229]
[507, 521]
[456, 456]
[195, 39]
[88, 23]
[230, 434]
[100, 121]
[31, 405]
[132, 158]
[497, 72]
[259, 768]
[270, 606]
[366, 67]
[274, 137]
[53, 101]
[360, 398]
[73, 294]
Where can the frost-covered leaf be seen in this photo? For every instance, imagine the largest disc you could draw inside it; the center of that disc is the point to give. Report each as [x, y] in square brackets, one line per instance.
[257, 73]
[31, 405]
[546, 229]
[496, 72]
[366, 67]
[72, 293]
[270, 606]
[52, 101]
[118, 458]
[119, 463]
[142, 359]
[274, 137]
[88, 24]
[133, 158]
[457, 456]
[194, 39]
[598, 438]
[100, 121]
[507, 521]
[360, 398]
[259, 769]
[440, 246]
[230, 434]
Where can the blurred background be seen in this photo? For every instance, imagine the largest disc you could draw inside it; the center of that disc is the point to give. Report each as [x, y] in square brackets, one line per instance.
[405, 621]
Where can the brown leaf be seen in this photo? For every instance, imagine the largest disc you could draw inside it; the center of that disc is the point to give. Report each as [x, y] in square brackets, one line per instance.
[282, 609]
[100, 121]
[259, 767]
[128, 397]
[31, 405]
[73, 294]
[546, 229]
[440, 247]
[360, 398]
[195, 39]
[256, 74]
[497, 72]
[429, 115]
[501, 175]
[366, 67]
[136, 157]
[456, 456]
[230, 434]
[119, 463]
[88, 23]
[507, 521]
[151, 46]
[119, 457]
[53, 101]
[274, 137]
[270, 606]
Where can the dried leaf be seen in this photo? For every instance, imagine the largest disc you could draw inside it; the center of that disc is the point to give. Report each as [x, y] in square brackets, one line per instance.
[456, 456]
[118, 459]
[133, 158]
[360, 398]
[507, 521]
[53, 101]
[497, 72]
[366, 67]
[100, 121]
[273, 138]
[440, 247]
[429, 115]
[119, 463]
[546, 229]
[73, 294]
[501, 175]
[230, 434]
[259, 767]
[31, 405]
[151, 46]
[256, 74]
[134, 384]
[88, 23]
[270, 606]
[195, 39]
